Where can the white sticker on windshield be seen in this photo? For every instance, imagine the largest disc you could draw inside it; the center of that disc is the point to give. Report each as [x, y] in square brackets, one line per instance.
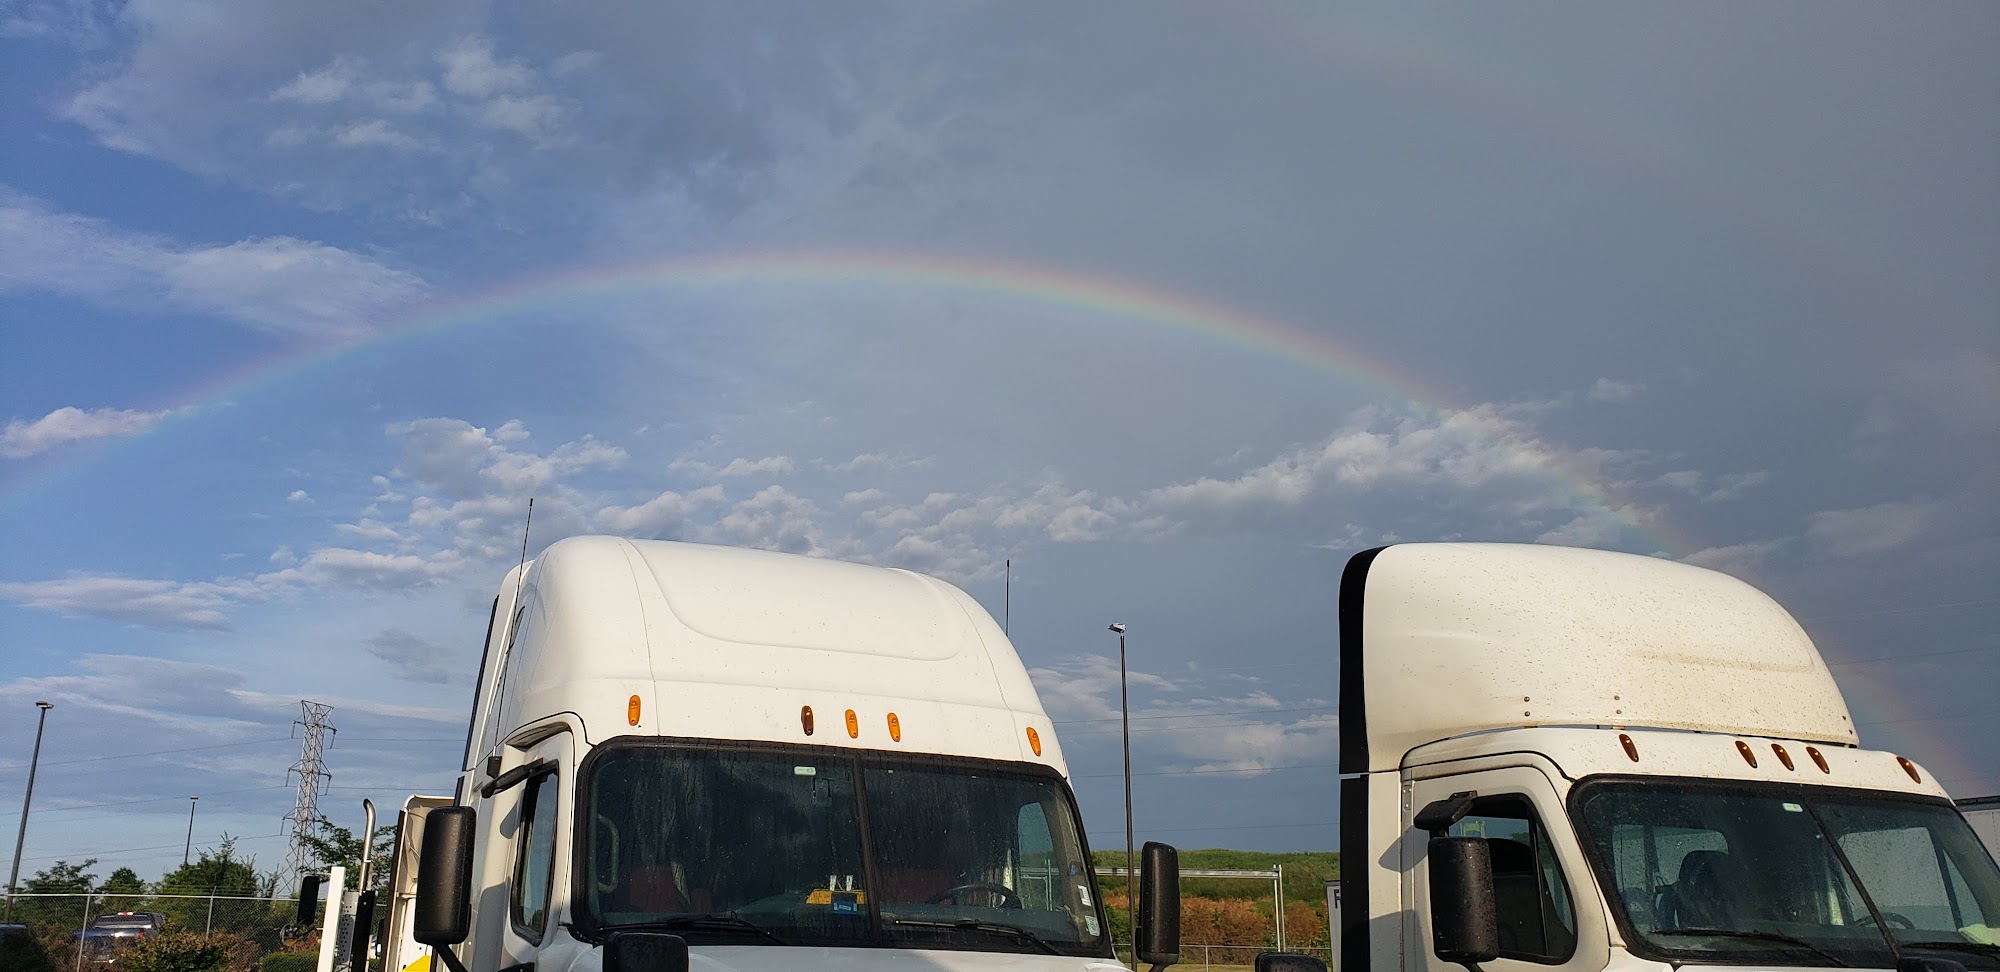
[805, 771]
[1083, 893]
[1794, 808]
[1090, 923]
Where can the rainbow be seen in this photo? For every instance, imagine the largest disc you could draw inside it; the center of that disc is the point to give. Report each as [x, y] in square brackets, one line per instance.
[1098, 295]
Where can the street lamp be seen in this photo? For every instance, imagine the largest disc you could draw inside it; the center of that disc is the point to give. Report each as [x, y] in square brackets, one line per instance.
[14, 876]
[190, 841]
[1125, 726]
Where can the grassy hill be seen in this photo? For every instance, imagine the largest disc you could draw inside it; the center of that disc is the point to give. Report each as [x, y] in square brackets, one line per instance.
[1306, 874]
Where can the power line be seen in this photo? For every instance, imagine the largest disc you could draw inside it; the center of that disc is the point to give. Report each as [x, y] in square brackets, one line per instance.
[1929, 654]
[1196, 715]
[162, 752]
[1202, 772]
[1916, 609]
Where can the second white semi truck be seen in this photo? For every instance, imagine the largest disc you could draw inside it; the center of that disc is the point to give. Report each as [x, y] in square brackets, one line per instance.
[1561, 759]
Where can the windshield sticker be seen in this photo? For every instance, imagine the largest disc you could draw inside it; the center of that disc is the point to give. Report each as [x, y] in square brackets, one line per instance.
[805, 771]
[1090, 923]
[1794, 808]
[1083, 893]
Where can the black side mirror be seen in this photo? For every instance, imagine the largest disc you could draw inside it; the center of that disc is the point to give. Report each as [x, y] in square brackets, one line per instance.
[1464, 925]
[443, 913]
[644, 951]
[1158, 936]
[309, 901]
[1289, 962]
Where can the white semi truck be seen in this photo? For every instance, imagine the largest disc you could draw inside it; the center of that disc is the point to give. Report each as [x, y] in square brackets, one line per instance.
[1560, 759]
[684, 756]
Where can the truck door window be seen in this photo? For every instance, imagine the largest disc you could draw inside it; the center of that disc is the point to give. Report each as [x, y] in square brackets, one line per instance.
[534, 859]
[1537, 921]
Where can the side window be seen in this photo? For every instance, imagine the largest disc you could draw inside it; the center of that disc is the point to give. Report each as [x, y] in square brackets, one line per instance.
[535, 856]
[1537, 921]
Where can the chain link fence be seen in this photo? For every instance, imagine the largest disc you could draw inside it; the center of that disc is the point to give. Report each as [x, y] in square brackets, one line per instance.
[59, 921]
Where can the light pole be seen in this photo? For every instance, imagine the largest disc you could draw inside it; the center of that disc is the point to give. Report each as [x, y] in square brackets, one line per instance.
[21, 837]
[190, 841]
[1125, 728]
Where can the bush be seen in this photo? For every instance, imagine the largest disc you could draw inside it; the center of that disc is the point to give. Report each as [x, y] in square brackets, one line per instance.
[177, 951]
[290, 962]
[24, 952]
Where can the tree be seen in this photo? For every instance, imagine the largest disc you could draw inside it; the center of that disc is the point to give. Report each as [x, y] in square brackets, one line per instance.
[61, 878]
[336, 846]
[122, 891]
[219, 892]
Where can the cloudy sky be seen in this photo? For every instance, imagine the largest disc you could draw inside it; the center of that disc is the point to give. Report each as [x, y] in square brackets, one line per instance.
[1176, 305]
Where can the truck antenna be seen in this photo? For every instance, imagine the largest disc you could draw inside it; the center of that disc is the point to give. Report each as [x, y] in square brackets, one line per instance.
[523, 575]
[1007, 598]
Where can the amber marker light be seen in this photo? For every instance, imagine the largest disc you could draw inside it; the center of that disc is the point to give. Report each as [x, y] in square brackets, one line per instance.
[1784, 758]
[806, 718]
[1034, 740]
[895, 728]
[1818, 760]
[1631, 748]
[853, 725]
[1910, 768]
[632, 711]
[1748, 756]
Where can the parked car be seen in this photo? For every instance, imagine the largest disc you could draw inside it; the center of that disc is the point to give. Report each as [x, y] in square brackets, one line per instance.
[109, 935]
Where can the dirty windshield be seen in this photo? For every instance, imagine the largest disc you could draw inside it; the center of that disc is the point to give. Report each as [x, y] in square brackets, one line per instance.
[768, 845]
[1791, 875]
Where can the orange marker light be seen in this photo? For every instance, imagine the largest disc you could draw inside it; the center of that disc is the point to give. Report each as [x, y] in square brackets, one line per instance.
[895, 728]
[1783, 757]
[1910, 768]
[1034, 740]
[806, 718]
[632, 711]
[1631, 748]
[853, 725]
[1748, 756]
[1818, 760]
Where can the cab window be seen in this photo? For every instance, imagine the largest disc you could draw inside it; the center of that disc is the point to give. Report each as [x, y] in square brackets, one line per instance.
[535, 857]
[1537, 922]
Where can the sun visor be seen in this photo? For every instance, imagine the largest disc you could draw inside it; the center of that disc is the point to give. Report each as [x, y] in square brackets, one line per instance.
[1442, 639]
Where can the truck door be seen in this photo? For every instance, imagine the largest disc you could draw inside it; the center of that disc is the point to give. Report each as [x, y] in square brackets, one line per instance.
[1543, 894]
[534, 844]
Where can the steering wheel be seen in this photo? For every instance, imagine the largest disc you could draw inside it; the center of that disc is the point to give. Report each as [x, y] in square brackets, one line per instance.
[1008, 899]
[1891, 919]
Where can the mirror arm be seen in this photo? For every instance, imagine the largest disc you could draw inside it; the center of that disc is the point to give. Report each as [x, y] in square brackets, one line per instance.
[451, 959]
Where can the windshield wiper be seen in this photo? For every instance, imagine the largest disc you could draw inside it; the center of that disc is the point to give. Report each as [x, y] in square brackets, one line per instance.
[974, 924]
[1979, 948]
[1767, 936]
[718, 921]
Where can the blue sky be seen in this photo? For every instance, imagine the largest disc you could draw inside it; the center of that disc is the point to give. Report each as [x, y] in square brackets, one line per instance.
[1174, 305]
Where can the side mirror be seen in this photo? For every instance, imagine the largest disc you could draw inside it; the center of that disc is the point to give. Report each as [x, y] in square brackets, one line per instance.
[309, 901]
[1289, 962]
[1157, 939]
[443, 913]
[644, 951]
[1464, 925]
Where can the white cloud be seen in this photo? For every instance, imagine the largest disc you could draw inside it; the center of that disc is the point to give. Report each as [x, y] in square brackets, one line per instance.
[659, 517]
[299, 496]
[1873, 529]
[766, 466]
[278, 284]
[1712, 489]
[370, 530]
[472, 70]
[21, 439]
[152, 603]
[1739, 560]
[367, 570]
[1615, 391]
[324, 86]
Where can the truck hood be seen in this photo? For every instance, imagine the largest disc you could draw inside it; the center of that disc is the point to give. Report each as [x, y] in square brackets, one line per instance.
[763, 958]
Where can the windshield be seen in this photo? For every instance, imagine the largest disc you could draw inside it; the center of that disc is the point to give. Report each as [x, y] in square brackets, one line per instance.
[769, 843]
[1790, 875]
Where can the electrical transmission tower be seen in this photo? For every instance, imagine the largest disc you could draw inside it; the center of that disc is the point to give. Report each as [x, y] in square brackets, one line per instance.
[312, 774]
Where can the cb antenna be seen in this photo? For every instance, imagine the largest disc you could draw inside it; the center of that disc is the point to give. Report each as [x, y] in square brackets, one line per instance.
[1007, 598]
[522, 576]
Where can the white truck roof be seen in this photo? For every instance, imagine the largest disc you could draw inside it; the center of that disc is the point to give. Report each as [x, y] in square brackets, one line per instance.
[728, 643]
[1443, 639]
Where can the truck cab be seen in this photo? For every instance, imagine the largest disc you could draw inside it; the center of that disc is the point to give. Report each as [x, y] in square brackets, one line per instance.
[1580, 760]
[775, 761]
